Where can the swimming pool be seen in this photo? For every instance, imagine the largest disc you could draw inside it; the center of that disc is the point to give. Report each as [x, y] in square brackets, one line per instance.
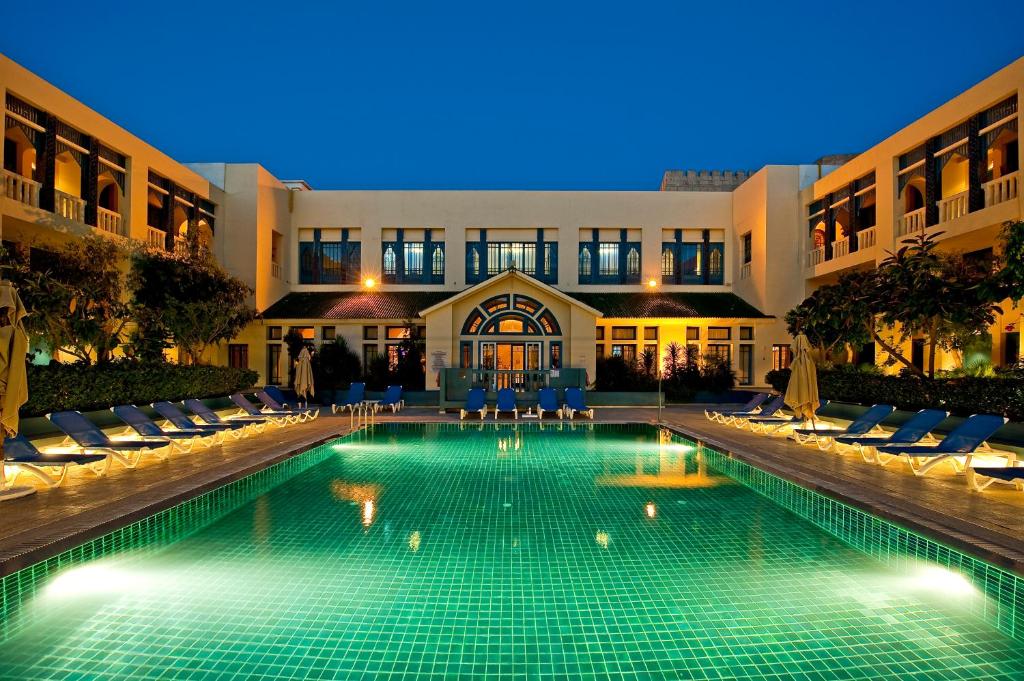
[513, 552]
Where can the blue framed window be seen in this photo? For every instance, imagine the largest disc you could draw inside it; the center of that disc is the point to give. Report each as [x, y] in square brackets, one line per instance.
[329, 262]
[692, 262]
[412, 262]
[539, 259]
[609, 262]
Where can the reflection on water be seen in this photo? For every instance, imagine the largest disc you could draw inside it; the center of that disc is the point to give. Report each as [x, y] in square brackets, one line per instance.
[568, 552]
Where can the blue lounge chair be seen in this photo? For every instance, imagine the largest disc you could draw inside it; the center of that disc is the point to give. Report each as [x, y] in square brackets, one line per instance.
[147, 427]
[179, 420]
[779, 423]
[392, 398]
[865, 424]
[767, 410]
[274, 401]
[915, 430]
[207, 415]
[89, 438]
[51, 469]
[981, 477]
[506, 402]
[747, 409]
[547, 400]
[574, 403]
[475, 403]
[247, 408]
[961, 443]
[356, 396]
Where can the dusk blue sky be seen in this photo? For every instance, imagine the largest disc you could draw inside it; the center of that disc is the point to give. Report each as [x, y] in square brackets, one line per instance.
[513, 95]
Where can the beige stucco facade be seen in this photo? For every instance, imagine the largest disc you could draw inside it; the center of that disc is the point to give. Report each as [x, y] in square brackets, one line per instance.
[309, 255]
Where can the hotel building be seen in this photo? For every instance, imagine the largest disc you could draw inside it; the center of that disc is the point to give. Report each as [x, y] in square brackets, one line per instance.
[526, 280]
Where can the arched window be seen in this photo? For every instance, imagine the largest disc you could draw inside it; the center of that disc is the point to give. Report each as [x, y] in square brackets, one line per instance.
[437, 262]
[668, 263]
[715, 262]
[390, 261]
[633, 263]
[585, 262]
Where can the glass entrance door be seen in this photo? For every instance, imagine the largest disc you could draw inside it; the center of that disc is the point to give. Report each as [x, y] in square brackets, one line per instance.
[510, 360]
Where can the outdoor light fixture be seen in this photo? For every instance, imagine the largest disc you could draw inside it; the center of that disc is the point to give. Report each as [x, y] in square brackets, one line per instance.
[369, 282]
[652, 283]
[650, 510]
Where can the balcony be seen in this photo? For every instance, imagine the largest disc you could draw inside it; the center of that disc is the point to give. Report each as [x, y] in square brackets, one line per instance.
[840, 248]
[1001, 189]
[953, 207]
[68, 206]
[815, 256]
[21, 189]
[866, 238]
[156, 238]
[109, 221]
[275, 270]
[910, 222]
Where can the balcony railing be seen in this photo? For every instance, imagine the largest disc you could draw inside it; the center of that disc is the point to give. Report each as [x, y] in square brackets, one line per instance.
[180, 246]
[1001, 189]
[21, 189]
[953, 207]
[109, 221]
[910, 222]
[156, 238]
[866, 238]
[275, 270]
[840, 247]
[745, 271]
[68, 206]
[816, 256]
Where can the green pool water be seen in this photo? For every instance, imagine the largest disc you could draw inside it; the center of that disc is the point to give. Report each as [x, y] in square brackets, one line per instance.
[427, 551]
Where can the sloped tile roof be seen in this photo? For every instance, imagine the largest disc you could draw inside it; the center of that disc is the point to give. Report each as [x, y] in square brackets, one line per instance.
[354, 305]
[665, 304]
[407, 305]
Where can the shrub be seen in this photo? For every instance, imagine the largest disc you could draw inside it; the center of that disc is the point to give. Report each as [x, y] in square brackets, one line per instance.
[335, 366]
[687, 373]
[615, 374]
[961, 396]
[57, 387]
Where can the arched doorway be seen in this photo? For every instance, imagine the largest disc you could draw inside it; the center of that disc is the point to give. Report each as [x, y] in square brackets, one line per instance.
[511, 335]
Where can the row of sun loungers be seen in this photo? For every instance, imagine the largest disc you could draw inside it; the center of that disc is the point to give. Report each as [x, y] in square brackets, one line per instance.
[547, 402]
[86, 444]
[912, 442]
[356, 397]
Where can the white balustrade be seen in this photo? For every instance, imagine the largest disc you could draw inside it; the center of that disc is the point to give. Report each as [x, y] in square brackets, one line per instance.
[1001, 189]
[21, 189]
[953, 207]
[275, 270]
[68, 206]
[816, 256]
[156, 238]
[866, 238]
[910, 222]
[840, 248]
[109, 221]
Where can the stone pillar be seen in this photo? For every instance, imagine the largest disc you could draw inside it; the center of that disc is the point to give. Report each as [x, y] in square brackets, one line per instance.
[90, 182]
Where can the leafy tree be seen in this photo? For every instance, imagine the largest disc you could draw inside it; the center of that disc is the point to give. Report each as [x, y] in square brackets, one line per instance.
[335, 365]
[186, 299]
[941, 297]
[916, 291]
[75, 298]
[1008, 282]
[649, 361]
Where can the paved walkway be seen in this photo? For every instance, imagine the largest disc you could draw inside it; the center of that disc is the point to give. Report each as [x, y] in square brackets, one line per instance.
[990, 524]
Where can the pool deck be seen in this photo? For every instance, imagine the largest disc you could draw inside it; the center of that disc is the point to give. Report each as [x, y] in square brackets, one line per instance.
[989, 525]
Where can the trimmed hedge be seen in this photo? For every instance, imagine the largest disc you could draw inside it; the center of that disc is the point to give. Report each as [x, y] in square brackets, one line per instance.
[960, 396]
[92, 387]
